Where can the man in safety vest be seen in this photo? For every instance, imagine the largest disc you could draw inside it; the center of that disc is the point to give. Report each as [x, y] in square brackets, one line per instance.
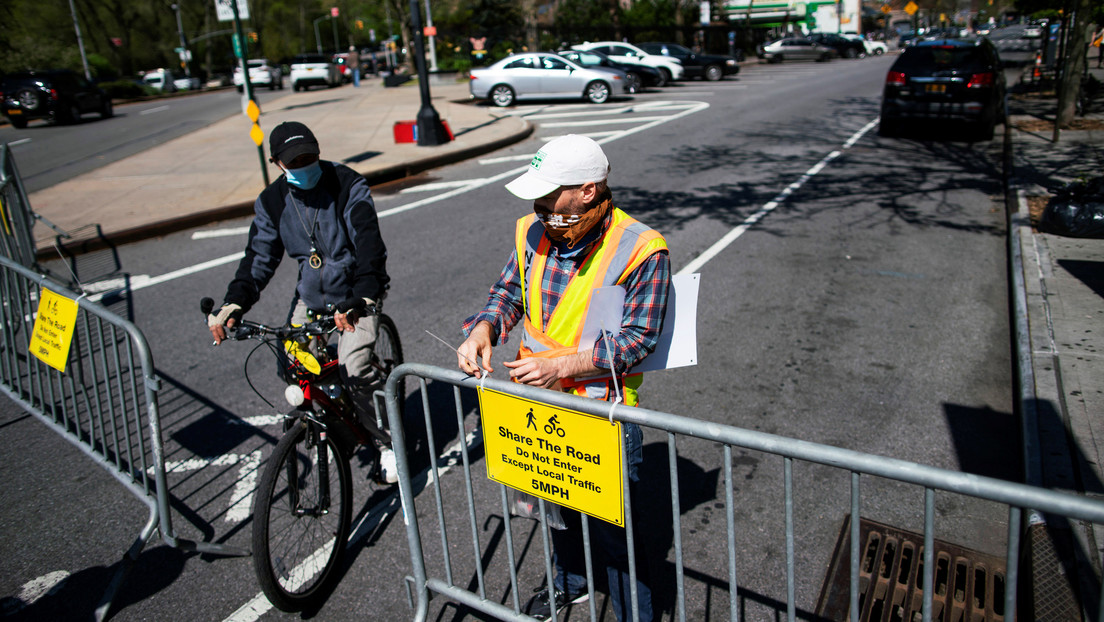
[573, 243]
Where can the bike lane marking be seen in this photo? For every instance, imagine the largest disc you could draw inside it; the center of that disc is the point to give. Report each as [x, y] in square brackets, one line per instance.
[696, 264]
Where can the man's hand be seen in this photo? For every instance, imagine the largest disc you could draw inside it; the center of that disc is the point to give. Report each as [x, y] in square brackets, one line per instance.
[226, 317]
[546, 372]
[350, 311]
[477, 347]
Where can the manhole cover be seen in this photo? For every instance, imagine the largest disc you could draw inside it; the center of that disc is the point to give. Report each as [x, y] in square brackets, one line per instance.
[969, 585]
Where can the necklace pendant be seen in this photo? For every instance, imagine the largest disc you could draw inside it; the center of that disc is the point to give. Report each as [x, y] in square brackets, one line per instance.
[315, 260]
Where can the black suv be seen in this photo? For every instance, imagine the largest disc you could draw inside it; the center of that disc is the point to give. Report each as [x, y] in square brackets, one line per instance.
[707, 66]
[950, 80]
[59, 95]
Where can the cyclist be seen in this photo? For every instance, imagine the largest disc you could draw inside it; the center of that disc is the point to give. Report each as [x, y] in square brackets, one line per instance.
[321, 214]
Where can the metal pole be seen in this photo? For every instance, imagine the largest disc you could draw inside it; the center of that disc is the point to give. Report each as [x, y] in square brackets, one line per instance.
[432, 40]
[246, 82]
[334, 22]
[80, 41]
[183, 41]
[317, 39]
[430, 129]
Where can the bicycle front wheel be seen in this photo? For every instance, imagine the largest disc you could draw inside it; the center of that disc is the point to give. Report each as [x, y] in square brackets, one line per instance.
[301, 519]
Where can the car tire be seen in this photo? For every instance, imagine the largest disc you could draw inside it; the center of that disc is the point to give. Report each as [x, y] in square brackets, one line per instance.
[665, 76]
[107, 110]
[502, 95]
[878, 51]
[635, 83]
[241, 88]
[72, 115]
[18, 124]
[597, 92]
[29, 99]
[985, 130]
[777, 58]
[850, 53]
[713, 73]
[888, 128]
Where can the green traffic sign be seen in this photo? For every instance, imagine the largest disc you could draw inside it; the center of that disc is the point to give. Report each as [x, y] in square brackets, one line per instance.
[237, 46]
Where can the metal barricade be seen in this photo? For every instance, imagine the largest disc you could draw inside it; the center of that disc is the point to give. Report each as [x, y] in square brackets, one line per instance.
[1016, 498]
[105, 402]
[16, 217]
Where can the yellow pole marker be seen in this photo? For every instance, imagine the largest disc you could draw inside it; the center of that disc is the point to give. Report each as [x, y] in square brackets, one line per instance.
[563, 456]
[53, 329]
[257, 135]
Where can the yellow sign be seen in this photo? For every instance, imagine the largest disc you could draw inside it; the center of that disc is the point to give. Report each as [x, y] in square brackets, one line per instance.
[885, 8]
[253, 111]
[257, 134]
[564, 456]
[53, 329]
[911, 8]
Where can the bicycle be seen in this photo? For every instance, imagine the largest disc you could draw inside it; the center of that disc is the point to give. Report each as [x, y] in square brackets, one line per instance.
[303, 506]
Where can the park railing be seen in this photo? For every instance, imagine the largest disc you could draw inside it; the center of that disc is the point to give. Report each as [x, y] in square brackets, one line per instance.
[100, 394]
[885, 573]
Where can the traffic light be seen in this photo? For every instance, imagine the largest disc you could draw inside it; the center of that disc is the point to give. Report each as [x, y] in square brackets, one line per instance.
[253, 37]
[360, 24]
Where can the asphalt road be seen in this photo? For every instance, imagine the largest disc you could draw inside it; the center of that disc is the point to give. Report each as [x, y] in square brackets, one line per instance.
[48, 154]
[865, 307]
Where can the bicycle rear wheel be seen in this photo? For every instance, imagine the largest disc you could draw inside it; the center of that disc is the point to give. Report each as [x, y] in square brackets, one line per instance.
[301, 519]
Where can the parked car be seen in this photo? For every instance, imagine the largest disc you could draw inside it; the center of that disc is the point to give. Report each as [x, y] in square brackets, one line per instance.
[671, 68]
[710, 67]
[58, 95]
[873, 48]
[844, 47]
[795, 48]
[947, 81]
[309, 70]
[639, 76]
[540, 75]
[184, 83]
[159, 80]
[261, 73]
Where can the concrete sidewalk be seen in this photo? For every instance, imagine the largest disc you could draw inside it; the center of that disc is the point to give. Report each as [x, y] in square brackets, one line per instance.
[1062, 354]
[215, 172]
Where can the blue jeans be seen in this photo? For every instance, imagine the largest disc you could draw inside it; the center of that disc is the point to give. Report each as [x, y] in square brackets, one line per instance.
[608, 545]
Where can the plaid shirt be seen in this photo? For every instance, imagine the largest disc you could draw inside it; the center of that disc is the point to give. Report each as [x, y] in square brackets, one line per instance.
[645, 303]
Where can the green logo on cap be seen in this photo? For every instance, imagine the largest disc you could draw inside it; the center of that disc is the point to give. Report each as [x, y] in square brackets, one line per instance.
[537, 159]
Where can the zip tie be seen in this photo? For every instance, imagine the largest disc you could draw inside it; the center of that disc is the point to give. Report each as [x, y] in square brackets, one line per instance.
[613, 366]
[482, 378]
[612, 406]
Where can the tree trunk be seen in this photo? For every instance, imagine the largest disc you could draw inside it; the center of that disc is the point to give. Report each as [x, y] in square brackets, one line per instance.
[1069, 83]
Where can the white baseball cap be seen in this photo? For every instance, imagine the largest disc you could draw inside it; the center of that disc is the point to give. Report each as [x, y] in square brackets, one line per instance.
[566, 161]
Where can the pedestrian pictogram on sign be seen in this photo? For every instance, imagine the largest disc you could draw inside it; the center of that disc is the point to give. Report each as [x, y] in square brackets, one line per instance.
[563, 456]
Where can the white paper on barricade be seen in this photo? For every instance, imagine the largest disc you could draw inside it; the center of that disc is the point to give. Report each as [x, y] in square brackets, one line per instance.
[678, 342]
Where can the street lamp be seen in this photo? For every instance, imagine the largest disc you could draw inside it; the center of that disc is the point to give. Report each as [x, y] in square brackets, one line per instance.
[430, 129]
[432, 39]
[317, 39]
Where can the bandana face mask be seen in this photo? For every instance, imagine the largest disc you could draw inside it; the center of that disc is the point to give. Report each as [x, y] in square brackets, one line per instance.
[572, 228]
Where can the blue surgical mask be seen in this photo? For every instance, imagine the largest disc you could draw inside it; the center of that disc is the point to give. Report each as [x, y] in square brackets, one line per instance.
[306, 177]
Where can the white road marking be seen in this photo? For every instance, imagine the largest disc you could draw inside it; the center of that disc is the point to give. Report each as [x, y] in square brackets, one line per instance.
[601, 122]
[153, 110]
[21, 141]
[219, 233]
[33, 590]
[441, 185]
[768, 207]
[241, 496]
[142, 281]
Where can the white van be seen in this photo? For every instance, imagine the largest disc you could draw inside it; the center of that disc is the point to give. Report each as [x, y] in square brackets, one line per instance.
[159, 80]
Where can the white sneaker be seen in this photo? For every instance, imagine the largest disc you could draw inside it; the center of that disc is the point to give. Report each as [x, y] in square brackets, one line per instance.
[389, 470]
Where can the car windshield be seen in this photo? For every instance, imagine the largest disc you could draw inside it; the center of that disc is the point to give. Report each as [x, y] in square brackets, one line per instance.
[256, 63]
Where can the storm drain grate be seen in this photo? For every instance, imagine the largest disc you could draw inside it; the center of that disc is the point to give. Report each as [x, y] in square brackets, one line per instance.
[969, 585]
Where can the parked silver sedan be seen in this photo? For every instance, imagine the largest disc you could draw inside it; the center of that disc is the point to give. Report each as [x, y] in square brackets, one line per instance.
[537, 75]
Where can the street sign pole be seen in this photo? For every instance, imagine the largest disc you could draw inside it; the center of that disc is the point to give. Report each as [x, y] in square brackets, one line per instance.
[248, 87]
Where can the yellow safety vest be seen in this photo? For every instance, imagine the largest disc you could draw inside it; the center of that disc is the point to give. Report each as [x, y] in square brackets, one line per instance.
[624, 246]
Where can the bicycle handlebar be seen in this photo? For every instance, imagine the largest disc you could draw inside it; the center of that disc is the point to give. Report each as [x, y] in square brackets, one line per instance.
[246, 329]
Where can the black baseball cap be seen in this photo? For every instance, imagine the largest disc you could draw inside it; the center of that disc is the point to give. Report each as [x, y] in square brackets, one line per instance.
[290, 140]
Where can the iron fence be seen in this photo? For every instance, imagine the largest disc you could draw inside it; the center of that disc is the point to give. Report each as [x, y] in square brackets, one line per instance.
[943, 587]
